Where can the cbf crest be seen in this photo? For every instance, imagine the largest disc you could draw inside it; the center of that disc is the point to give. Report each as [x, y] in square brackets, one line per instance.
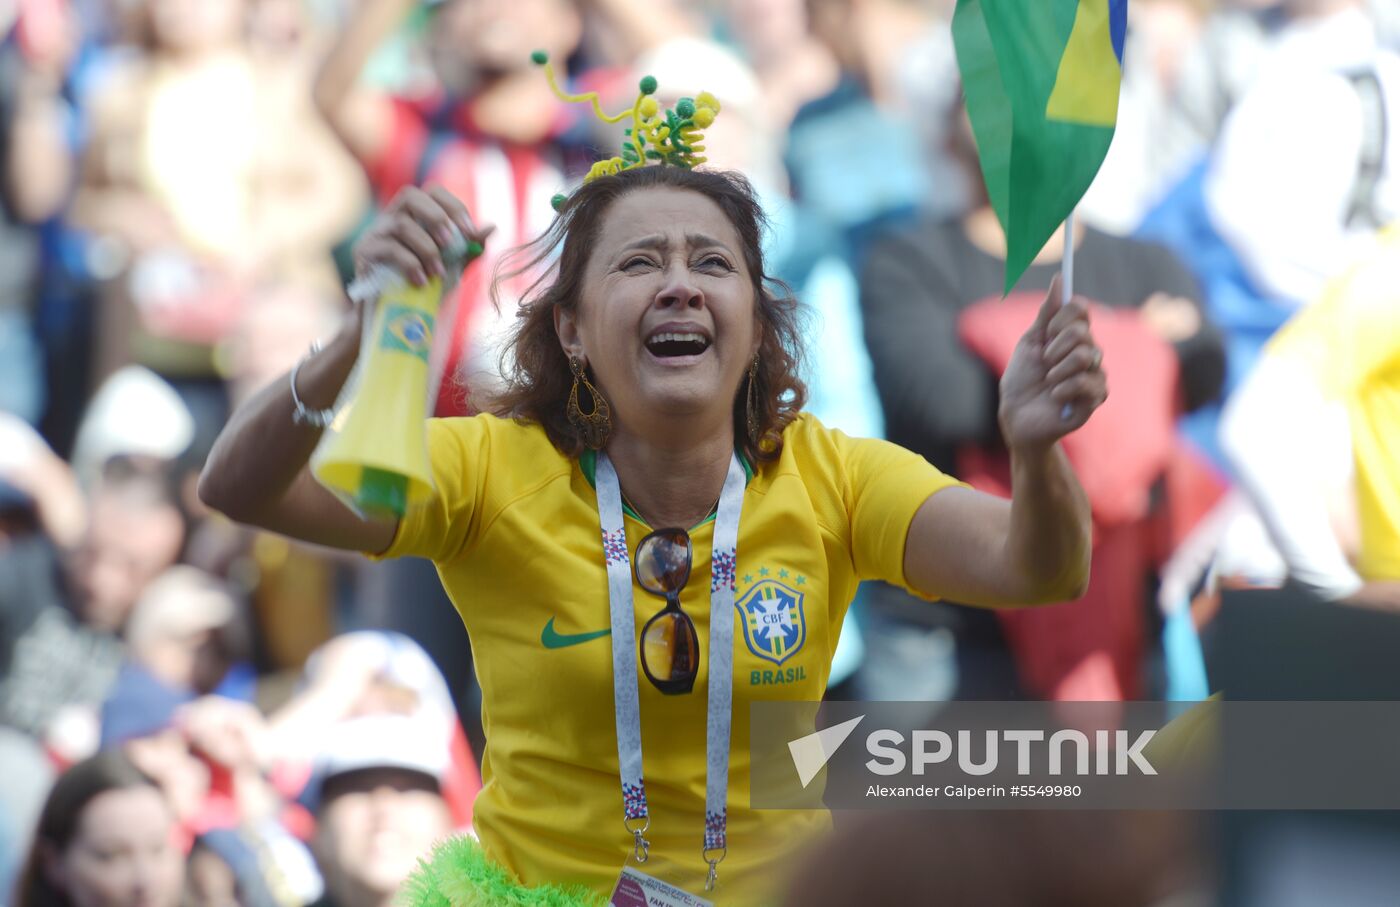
[774, 625]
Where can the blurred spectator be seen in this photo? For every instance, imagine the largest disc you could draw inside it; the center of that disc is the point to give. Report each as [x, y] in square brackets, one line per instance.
[39, 495]
[185, 639]
[40, 507]
[926, 292]
[135, 414]
[104, 838]
[60, 615]
[223, 871]
[1215, 70]
[492, 133]
[1330, 379]
[229, 773]
[789, 62]
[379, 806]
[201, 760]
[28, 775]
[186, 631]
[927, 84]
[36, 172]
[372, 673]
[135, 531]
[1320, 106]
[837, 170]
[1316, 99]
[211, 760]
[869, 38]
[206, 173]
[239, 867]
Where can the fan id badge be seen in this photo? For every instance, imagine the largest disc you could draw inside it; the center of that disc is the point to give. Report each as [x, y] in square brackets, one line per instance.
[637, 889]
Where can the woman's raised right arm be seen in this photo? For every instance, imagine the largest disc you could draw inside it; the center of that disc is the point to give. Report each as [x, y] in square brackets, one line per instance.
[257, 472]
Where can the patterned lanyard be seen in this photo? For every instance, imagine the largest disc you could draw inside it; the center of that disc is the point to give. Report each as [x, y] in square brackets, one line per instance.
[721, 683]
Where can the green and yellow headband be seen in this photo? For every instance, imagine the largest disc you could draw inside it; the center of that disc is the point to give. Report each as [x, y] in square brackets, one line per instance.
[670, 136]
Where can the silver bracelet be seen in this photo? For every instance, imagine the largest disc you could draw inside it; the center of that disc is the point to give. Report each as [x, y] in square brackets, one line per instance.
[301, 415]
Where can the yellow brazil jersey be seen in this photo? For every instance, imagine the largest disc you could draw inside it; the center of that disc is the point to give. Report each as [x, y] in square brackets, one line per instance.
[514, 531]
[1350, 340]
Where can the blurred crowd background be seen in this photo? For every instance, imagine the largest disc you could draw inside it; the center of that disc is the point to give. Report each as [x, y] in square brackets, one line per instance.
[196, 713]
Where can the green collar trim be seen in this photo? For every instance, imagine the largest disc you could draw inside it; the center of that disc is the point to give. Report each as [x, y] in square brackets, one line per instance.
[588, 463]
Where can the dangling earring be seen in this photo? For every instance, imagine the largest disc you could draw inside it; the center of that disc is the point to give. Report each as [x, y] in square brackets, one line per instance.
[751, 403]
[595, 427]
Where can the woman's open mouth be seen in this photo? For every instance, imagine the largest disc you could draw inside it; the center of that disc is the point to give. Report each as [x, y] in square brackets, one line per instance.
[679, 347]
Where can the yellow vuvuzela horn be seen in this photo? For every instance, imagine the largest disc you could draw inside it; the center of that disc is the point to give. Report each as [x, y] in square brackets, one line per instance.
[374, 454]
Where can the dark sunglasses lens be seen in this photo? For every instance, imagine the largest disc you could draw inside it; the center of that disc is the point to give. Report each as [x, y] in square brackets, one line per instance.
[663, 561]
[670, 650]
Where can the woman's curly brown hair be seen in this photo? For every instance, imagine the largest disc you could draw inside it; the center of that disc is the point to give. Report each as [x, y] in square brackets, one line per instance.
[536, 371]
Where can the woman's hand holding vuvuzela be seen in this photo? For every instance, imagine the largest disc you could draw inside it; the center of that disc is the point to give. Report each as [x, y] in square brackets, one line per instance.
[414, 231]
[257, 472]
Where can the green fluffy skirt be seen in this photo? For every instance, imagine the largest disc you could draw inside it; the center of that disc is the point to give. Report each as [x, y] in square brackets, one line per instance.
[459, 874]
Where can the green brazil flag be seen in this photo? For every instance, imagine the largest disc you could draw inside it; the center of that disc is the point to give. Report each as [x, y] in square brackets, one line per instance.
[1041, 79]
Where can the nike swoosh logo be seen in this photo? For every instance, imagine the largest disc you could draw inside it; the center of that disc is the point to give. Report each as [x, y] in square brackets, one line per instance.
[552, 639]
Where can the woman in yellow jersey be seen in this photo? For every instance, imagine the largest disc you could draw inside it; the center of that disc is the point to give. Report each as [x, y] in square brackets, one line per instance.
[655, 385]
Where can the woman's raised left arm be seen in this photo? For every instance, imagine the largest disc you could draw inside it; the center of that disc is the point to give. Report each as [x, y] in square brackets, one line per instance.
[975, 548]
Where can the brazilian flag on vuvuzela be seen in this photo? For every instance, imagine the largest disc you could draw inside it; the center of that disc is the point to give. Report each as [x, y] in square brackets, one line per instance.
[1041, 80]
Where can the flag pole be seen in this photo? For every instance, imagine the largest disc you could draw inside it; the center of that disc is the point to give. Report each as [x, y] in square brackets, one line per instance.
[1067, 286]
[1067, 261]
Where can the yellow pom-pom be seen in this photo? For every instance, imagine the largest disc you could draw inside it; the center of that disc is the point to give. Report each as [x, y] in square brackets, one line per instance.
[705, 99]
[704, 116]
[648, 107]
